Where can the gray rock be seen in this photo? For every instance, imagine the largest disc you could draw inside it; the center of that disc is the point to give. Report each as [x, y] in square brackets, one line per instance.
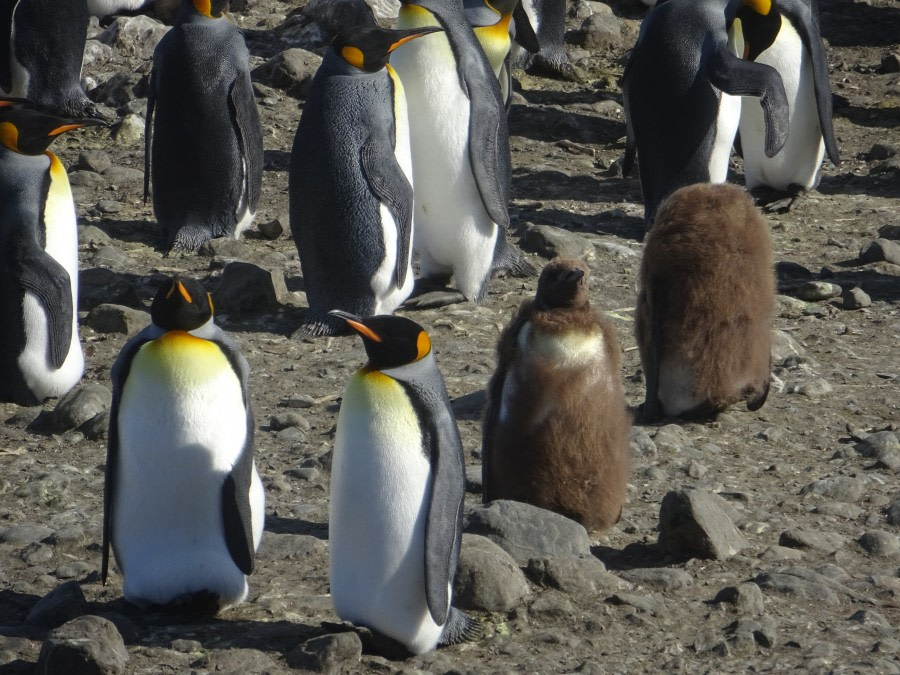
[288, 419]
[551, 606]
[855, 298]
[333, 653]
[63, 603]
[99, 285]
[602, 30]
[827, 542]
[91, 235]
[797, 582]
[95, 52]
[550, 242]
[78, 406]
[892, 513]
[240, 661]
[662, 578]
[525, 531]
[384, 9]
[784, 346]
[840, 509]
[473, 479]
[271, 229]
[751, 632]
[88, 645]
[880, 249]
[225, 247]
[247, 288]
[130, 131]
[72, 570]
[291, 436]
[117, 319]
[117, 91]
[134, 35]
[641, 444]
[24, 534]
[97, 427]
[747, 598]
[814, 387]
[109, 206]
[642, 603]
[877, 444]
[812, 291]
[110, 256]
[889, 231]
[692, 523]
[123, 174]
[93, 160]
[487, 577]
[87, 179]
[576, 575]
[879, 542]
[291, 71]
[306, 549]
[839, 488]
[671, 438]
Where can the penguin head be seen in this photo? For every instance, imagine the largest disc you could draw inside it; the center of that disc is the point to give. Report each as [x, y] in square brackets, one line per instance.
[368, 48]
[759, 23]
[209, 8]
[29, 131]
[563, 283]
[390, 341]
[181, 304]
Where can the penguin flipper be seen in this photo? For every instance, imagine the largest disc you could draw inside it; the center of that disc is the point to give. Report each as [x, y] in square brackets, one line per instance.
[391, 186]
[50, 283]
[489, 149]
[148, 134]
[525, 34]
[249, 130]
[650, 411]
[738, 77]
[806, 21]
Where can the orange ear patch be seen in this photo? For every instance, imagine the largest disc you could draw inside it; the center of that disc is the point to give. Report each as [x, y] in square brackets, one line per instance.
[423, 345]
[353, 56]
[9, 135]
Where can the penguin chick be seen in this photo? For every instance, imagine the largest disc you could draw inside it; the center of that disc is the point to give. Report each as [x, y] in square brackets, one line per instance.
[785, 35]
[556, 425]
[203, 144]
[704, 312]
[460, 151]
[397, 488]
[41, 50]
[183, 503]
[40, 353]
[349, 184]
[681, 91]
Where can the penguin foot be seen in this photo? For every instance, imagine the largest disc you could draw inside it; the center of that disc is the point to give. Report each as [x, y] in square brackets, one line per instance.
[460, 627]
[773, 200]
[199, 603]
[433, 299]
[558, 68]
[188, 239]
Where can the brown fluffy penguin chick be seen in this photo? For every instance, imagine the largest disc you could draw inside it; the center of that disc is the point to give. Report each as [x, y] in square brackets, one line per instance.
[556, 425]
[704, 312]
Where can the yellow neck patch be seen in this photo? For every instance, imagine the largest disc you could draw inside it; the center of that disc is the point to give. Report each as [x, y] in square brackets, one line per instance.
[9, 136]
[762, 7]
[413, 16]
[353, 56]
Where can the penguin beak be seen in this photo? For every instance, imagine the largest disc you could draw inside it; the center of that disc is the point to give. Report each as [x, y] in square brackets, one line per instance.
[64, 128]
[418, 32]
[356, 324]
[574, 276]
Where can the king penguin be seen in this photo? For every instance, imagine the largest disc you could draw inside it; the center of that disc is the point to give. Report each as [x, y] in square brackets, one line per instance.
[704, 312]
[351, 200]
[784, 34]
[40, 354]
[681, 91]
[397, 488]
[41, 50]
[183, 504]
[206, 138]
[493, 26]
[556, 425]
[460, 150]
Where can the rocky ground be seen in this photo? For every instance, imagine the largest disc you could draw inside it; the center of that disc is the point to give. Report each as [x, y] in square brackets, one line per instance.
[800, 499]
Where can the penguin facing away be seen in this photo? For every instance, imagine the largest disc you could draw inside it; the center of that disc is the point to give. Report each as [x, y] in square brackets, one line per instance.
[555, 430]
[350, 194]
[681, 92]
[785, 34]
[203, 144]
[41, 50]
[397, 488]
[40, 353]
[183, 502]
[460, 150]
[704, 311]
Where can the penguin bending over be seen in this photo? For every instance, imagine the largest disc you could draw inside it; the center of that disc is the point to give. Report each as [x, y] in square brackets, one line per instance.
[556, 425]
[40, 354]
[183, 504]
[350, 193]
[460, 150]
[41, 50]
[493, 26]
[704, 312]
[203, 132]
[681, 92]
[785, 34]
[397, 488]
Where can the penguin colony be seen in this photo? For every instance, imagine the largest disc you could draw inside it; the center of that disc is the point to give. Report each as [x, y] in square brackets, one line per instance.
[417, 164]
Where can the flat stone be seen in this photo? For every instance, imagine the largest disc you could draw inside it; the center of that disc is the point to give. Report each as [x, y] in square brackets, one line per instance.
[487, 577]
[827, 542]
[877, 444]
[123, 174]
[249, 289]
[578, 576]
[602, 30]
[241, 661]
[333, 653]
[551, 242]
[63, 603]
[880, 249]
[134, 35]
[291, 71]
[790, 583]
[692, 523]
[78, 406]
[87, 179]
[91, 235]
[879, 542]
[747, 598]
[839, 488]
[289, 419]
[305, 549]
[97, 161]
[108, 318]
[88, 645]
[130, 131]
[24, 534]
[98, 285]
[812, 291]
[661, 578]
[855, 298]
[525, 531]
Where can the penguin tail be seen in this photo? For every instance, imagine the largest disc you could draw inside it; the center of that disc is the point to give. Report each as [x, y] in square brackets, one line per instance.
[317, 325]
[509, 259]
[460, 627]
[188, 239]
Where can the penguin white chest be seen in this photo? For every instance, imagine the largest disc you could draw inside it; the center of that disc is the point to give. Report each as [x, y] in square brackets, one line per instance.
[182, 425]
[380, 491]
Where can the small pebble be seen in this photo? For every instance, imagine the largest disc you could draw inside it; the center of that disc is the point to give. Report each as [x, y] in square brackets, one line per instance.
[812, 291]
[855, 298]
